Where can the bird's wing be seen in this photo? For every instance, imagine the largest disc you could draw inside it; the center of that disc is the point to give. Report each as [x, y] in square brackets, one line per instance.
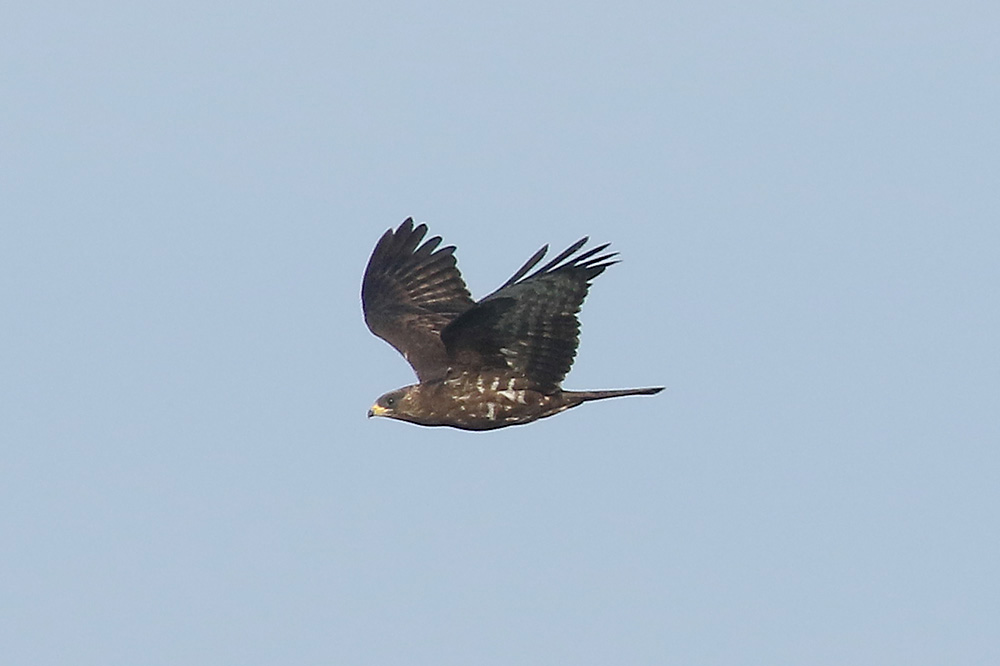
[409, 294]
[529, 325]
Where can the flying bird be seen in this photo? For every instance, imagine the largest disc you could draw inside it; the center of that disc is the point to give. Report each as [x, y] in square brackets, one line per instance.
[481, 365]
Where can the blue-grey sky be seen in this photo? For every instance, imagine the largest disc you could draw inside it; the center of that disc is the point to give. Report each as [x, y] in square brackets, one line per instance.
[805, 198]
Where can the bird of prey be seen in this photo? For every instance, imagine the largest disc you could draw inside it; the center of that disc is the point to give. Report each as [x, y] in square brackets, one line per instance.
[481, 365]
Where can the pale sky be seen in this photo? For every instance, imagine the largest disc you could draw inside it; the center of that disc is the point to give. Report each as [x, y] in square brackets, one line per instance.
[806, 205]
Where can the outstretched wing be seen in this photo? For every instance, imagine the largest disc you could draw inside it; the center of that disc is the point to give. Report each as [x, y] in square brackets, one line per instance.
[529, 325]
[410, 293]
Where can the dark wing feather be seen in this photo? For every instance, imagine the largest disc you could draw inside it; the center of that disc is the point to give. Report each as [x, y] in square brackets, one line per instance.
[410, 293]
[529, 325]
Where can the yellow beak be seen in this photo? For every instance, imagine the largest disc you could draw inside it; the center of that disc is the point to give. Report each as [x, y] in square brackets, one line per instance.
[377, 410]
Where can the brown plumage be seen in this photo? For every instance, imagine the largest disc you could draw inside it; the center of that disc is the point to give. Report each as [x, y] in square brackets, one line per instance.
[481, 365]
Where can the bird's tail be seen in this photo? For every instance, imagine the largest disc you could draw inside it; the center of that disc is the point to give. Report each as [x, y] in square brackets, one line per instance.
[584, 396]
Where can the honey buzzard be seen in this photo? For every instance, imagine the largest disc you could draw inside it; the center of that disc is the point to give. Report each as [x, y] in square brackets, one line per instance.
[481, 365]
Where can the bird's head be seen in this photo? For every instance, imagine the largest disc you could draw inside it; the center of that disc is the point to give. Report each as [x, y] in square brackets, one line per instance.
[398, 404]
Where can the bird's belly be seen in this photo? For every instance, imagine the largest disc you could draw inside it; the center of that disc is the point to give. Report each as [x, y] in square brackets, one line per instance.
[486, 403]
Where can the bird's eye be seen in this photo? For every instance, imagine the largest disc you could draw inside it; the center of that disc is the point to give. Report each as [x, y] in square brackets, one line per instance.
[389, 402]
